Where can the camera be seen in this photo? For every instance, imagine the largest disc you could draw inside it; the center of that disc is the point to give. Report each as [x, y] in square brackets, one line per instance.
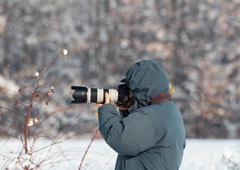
[84, 94]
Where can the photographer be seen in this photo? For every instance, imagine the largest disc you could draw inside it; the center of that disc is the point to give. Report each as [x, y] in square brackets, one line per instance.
[149, 132]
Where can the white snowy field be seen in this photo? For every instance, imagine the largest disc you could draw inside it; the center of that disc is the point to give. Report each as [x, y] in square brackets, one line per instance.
[199, 155]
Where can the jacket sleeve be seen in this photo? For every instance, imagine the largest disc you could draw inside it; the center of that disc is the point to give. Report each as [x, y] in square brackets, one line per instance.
[128, 136]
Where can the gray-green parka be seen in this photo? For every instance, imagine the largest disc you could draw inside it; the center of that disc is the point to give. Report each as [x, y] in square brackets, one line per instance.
[151, 137]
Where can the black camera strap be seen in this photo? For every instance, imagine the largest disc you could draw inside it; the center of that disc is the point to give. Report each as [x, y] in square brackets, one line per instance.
[160, 98]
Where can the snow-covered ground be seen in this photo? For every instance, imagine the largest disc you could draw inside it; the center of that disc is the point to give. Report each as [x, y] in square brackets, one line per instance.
[199, 155]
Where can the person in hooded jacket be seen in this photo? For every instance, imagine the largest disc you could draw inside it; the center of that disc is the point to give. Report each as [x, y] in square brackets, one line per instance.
[149, 133]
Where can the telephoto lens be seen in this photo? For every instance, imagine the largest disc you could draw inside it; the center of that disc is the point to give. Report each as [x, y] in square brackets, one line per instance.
[93, 95]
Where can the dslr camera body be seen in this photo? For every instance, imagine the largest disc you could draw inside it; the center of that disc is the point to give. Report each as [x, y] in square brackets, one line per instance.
[84, 94]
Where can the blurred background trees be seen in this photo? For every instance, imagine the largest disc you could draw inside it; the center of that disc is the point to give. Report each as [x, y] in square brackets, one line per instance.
[197, 42]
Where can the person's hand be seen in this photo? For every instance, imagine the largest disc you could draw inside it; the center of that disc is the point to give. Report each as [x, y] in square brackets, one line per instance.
[128, 104]
[107, 100]
[123, 107]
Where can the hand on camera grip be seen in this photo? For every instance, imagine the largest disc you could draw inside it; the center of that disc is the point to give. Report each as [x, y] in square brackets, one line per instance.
[107, 100]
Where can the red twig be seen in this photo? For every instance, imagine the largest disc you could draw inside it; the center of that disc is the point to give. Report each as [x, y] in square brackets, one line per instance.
[85, 154]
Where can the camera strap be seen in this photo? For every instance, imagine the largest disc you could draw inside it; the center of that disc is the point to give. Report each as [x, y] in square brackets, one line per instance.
[160, 98]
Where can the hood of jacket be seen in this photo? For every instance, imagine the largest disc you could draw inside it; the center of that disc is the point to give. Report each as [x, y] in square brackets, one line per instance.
[147, 79]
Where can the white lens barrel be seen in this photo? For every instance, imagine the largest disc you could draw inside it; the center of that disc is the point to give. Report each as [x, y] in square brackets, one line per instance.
[113, 93]
[100, 95]
[95, 95]
[89, 95]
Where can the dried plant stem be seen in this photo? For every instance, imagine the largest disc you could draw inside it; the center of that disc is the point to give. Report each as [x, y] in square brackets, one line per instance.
[85, 154]
[26, 122]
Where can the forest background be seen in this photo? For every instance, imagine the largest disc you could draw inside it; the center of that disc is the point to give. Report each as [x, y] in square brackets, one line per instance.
[196, 41]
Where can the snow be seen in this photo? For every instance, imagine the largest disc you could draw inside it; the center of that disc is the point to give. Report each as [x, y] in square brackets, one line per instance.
[208, 154]
[200, 154]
